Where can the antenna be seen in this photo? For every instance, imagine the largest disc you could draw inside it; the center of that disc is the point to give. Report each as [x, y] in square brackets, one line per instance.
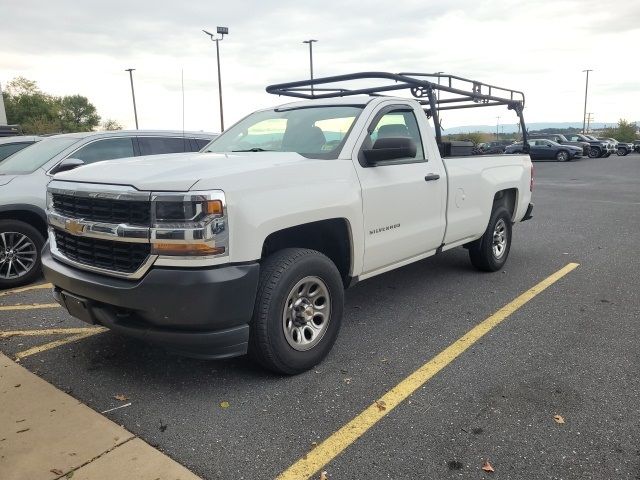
[184, 141]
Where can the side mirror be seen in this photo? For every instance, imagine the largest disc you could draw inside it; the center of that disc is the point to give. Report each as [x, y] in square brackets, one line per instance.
[67, 164]
[390, 148]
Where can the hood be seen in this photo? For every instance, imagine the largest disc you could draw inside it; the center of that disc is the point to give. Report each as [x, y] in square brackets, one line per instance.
[4, 179]
[176, 172]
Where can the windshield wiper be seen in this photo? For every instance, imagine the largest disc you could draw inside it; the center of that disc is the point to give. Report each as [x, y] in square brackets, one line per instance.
[254, 149]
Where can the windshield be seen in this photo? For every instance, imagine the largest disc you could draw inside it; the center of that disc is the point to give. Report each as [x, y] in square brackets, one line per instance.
[33, 157]
[314, 132]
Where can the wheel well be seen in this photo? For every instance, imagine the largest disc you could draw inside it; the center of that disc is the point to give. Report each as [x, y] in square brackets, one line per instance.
[507, 199]
[331, 237]
[27, 216]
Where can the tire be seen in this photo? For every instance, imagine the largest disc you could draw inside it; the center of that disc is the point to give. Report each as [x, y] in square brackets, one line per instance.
[622, 152]
[20, 246]
[594, 152]
[482, 253]
[562, 156]
[287, 279]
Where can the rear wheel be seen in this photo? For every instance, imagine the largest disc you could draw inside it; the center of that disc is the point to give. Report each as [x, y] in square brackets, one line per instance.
[562, 156]
[20, 246]
[298, 311]
[489, 253]
[622, 152]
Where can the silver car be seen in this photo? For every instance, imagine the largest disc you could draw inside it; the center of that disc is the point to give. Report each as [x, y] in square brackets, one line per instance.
[25, 175]
[11, 145]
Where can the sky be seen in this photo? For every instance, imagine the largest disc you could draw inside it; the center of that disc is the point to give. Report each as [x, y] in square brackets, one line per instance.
[540, 47]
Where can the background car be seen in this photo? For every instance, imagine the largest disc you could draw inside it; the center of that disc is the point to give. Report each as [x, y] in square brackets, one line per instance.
[541, 149]
[562, 140]
[25, 175]
[622, 148]
[11, 145]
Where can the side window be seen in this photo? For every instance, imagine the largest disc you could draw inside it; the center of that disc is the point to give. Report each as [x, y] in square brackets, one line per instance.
[202, 142]
[107, 149]
[397, 123]
[158, 145]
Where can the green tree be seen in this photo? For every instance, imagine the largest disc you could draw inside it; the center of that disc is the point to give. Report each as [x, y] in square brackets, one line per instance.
[109, 125]
[624, 132]
[39, 112]
[26, 105]
[77, 114]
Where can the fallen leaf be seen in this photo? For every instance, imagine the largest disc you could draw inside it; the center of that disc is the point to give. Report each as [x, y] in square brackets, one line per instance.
[558, 419]
[56, 471]
[163, 427]
[224, 404]
[382, 406]
[16, 386]
[22, 431]
[314, 445]
[347, 380]
[324, 476]
[487, 467]
[121, 397]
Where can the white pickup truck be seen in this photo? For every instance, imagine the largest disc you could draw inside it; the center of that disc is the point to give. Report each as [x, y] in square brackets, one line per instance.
[247, 246]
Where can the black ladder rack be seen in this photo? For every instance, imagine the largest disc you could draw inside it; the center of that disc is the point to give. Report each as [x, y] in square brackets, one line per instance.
[466, 93]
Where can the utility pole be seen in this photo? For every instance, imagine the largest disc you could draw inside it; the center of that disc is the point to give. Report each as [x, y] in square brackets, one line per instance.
[133, 95]
[589, 120]
[222, 31]
[497, 126]
[310, 42]
[586, 90]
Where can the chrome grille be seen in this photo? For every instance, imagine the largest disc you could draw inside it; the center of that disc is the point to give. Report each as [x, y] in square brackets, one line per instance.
[132, 212]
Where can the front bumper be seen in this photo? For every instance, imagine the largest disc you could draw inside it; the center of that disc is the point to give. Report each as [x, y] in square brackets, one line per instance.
[203, 313]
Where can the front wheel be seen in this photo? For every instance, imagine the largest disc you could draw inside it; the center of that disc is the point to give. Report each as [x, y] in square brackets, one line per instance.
[562, 156]
[594, 152]
[20, 246]
[298, 311]
[622, 152]
[489, 253]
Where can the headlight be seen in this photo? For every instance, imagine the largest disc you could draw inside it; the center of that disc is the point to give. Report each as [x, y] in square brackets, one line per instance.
[189, 225]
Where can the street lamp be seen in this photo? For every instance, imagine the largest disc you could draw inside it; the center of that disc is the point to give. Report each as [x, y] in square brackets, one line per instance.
[586, 89]
[310, 42]
[133, 94]
[222, 31]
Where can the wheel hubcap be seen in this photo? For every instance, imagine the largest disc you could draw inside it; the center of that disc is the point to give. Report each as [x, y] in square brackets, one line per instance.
[307, 313]
[499, 239]
[18, 255]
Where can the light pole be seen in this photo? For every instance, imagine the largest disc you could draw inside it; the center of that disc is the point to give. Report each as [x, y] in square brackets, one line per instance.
[133, 94]
[497, 125]
[586, 89]
[222, 31]
[310, 42]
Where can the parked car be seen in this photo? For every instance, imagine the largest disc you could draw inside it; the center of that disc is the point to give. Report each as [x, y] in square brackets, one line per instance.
[10, 130]
[622, 148]
[541, 149]
[492, 148]
[597, 148]
[11, 145]
[24, 177]
[636, 145]
[562, 140]
[248, 246]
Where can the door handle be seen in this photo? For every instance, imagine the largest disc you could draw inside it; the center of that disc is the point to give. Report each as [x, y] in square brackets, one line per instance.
[431, 176]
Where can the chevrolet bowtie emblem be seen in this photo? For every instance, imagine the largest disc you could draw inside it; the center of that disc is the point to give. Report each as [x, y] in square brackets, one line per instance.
[73, 226]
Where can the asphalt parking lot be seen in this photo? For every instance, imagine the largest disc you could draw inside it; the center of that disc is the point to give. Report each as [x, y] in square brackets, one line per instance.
[570, 352]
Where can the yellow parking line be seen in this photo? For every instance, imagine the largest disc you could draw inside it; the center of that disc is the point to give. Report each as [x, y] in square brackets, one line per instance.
[49, 331]
[24, 289]
[57, 343]
[35, 306]
[334, 445]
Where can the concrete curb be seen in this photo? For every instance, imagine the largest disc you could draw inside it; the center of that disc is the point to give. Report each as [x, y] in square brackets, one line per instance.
[46, 434]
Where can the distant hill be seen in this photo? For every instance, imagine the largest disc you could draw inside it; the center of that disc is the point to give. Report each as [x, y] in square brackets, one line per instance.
[513, 127]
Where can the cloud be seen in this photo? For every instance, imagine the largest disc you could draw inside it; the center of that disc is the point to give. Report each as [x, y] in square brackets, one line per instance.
[538, 46]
